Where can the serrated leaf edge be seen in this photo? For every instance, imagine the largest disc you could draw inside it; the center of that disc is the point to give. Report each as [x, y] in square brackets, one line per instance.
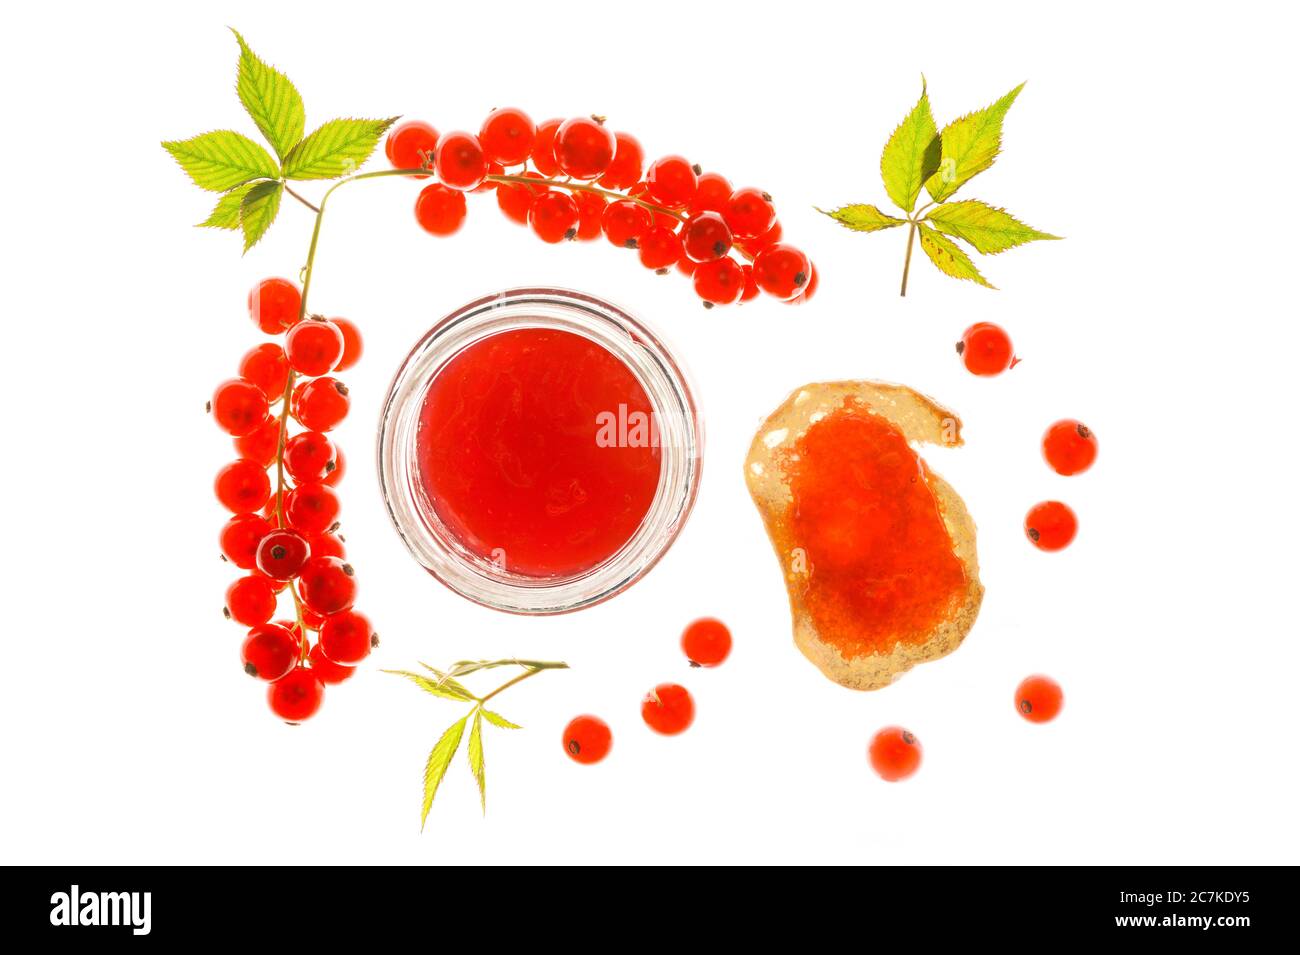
[956, 232]
[922, 103]
[951, 248]
[440, 758]
[262, 117]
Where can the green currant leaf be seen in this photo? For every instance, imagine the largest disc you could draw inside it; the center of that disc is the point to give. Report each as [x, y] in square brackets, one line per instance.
[447, 681]
[439, 759]
[270, 99]
[969, 146]
[912, 154]
[475, 753]
[496, 719]
[258, 210]
[226, 213]
[221, 160]
[988, 229]
[338, 148]
[449, 690]
[861, 217]
[948, 256]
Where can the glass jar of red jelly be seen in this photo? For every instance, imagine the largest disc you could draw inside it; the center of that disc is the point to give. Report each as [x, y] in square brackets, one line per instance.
[540, 450]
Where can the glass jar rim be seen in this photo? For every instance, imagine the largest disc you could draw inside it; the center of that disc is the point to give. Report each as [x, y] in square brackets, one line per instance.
[676, 418]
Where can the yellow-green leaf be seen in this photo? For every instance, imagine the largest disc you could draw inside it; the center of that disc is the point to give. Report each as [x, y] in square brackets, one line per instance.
[969, 146]
[226, 213]
[949, 257]
[475, 753]
[439, 759]
[270, 99]
[989, 229]
[258, 210]
[911, 156]
[221, 160]
[861, 217]
[448, 691]
[337, 148]
[496, 719]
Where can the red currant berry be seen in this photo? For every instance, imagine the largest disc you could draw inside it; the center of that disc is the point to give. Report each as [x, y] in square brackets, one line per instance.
[668, 709]
[261, 443]
[439, 210]
[335, 474]
[985, 349]
[279, 586]
[1039, 699]
[411, 146]
[671, 182]
[895, 754]
[507, 136]
[266, 367]
[749, 212]
[515, 199]
[269, 652]
[660, 248]
[314, 347]
[327, 545]
[554, 217]
[351, 343]
[706, 642]
[311, 508]
[250, 601]
[591, 211]
[757, 244]
[297, 696]
[584, 148]
[326, 670]
[281, 554]
[238, 406]
[274, 305]
[587, 739]
[544, 147]
[460, 161]
[309, 456]
[782, 271]
[719, 283]
[243, 486]
[346, 638]
[240, 537]
[320, 404]
[705, 237]
[625, 222]
[1051, 525]
[625, 169]
[1069, 447]
[686, 266]
[327, 585]
[751, 287]
[711, 194]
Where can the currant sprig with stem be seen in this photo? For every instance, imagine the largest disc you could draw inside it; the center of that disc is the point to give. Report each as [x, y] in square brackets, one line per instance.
[447, 686]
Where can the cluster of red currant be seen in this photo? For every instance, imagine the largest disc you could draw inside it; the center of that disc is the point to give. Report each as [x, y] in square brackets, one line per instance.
[286, 536]
[672, 213]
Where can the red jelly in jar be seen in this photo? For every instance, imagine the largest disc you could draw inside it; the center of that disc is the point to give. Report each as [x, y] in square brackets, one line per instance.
[540, 450]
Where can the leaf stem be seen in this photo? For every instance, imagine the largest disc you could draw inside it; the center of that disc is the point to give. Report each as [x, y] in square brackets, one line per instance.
[907, 262]
[583, 187]
[309, 205]
[531, 671]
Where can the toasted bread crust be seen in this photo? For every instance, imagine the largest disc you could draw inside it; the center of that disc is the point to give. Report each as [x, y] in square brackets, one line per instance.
[920, 419]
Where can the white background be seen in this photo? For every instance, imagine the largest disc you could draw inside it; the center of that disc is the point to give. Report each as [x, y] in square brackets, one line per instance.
[1157, 138]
